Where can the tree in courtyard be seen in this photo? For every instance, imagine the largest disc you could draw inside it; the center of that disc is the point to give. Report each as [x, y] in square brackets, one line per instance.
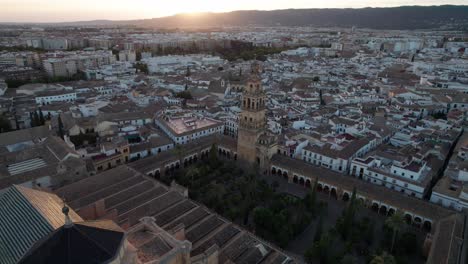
[309, 255]
[142, 67]
[395, 223]
[60, 127]
[263, 218]
[249, 194]
[4, 125]
[322, 102]
[184, 95]
[311, 198]
[37, 120]
[31, 117]
[349, 259]
[213, 161]
[407, 244]
[383, 258]
[192, 173]
[318, 230]
[322, 249]
[41, 117]
[345, 225]
[366, 230]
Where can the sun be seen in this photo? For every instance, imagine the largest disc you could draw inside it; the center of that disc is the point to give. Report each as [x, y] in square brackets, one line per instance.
[195, 7]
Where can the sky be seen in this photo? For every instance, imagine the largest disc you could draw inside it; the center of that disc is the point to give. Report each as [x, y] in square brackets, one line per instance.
[83, 10]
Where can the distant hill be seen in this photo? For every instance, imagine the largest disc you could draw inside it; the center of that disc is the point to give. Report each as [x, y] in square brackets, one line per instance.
[405, 17]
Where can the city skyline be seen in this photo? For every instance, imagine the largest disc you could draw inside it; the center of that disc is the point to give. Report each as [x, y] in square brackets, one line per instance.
[233, 132]
[52, 11]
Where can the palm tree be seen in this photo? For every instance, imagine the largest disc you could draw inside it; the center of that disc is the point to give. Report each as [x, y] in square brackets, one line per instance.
[395, 222]
[61, 133]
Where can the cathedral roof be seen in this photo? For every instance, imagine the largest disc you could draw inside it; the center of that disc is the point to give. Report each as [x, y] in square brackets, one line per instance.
[85, 242]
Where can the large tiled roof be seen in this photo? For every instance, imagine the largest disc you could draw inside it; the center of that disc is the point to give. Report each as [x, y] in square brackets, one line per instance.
[133, 196]
[345, 153]
[92, 242]
[26, 216]
[23, 135]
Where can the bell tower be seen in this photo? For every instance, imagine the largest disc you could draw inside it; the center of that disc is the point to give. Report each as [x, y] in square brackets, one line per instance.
[252, 120]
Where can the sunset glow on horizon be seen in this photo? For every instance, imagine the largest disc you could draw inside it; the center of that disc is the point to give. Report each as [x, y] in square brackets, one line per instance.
[61, 11]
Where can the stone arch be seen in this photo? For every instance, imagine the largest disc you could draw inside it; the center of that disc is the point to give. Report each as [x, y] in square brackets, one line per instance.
[375, 206]
[391, 212]
[345, 197]
[417, 221]
[177, 165]
[326, 189]
[319, 187]
[228, 154]
[185, 163]
[301, 181]
[157, 174]
[235, 156]
[307, 183]
[295, 179]
[273, 170]
[285, 174]
[195, 158]
[333, 193]
[383, 210]
[427, 225]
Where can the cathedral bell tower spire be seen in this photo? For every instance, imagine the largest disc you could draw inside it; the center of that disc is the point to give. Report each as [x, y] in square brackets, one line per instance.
[252, 120]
